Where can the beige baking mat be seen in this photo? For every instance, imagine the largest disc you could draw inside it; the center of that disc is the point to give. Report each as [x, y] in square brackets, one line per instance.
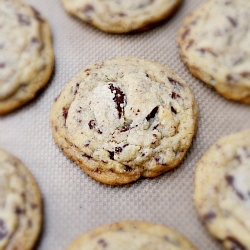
[73, 202]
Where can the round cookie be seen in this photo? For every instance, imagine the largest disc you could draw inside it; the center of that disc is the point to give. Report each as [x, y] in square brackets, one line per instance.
[214, 44]
[222, 190]
[26, 54]
[125, 118]
[20, 205]
[131, 235]
[121, 16]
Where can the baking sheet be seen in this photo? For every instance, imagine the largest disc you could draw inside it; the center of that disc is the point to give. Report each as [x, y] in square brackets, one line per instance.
[73, 202]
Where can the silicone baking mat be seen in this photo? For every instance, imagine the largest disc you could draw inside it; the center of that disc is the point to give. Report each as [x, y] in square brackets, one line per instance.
[73, 202]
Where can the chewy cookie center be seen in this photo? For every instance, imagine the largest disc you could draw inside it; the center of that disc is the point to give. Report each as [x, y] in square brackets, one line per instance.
[123, 121]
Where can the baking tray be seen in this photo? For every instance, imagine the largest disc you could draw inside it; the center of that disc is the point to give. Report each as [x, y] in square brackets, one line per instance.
[75, 203]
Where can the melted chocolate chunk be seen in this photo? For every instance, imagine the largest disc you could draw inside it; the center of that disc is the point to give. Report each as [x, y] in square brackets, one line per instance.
[207, 50]
[19, 211]
[185, 33]
[111, 155]
[2, 65]
[87, 156]
[235, 244]
[232, 21]
[37, 15]
[65, 112]
[175, 95]
[230, 181]
[209, 216]
[152, 113]
[77, 87]
[173, 110]
[118, 150]
[190, 43]
[119, 99]
[103, 243]
[88, 8]
[23, 20]
[91, 124]
[174, 82]
[3, 229]
[128, 168]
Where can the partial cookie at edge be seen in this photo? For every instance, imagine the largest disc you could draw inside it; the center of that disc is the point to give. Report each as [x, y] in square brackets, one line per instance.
[20, 205]
[123, 16]
[131, 234]
[222, 190]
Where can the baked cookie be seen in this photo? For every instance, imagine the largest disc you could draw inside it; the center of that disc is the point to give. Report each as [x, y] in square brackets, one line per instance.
[26, 55]
[222, 190]
[121, 16]
[20, 205]
[125, 118]
[214, 44]
[131, 235]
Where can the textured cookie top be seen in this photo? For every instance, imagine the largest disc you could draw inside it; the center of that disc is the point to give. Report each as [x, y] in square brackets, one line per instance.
[133, 116]
[20, 205]
[131, 235]
[20, 46]
[222, 193]
[120, 16]
[214, 43]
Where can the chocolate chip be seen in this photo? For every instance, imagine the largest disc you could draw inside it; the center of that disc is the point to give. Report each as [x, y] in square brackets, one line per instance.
[122, 14]
[23, 20]
[207, 50]
[185, 33]
[65, 112]
[2, 65]
[37, 15]
[232, 21]
[174, 82]
[231, 78]
[88, 8]
[173, 110]
[111, 155]
[118, 150]
[209, 216]
[3, 229]
[245, 74]
[76, 88]
[98, 171]
[103, 243]
[235, 244]
[99, 131]
[230, 181]
[190, 43]
[119, 99]
[152, 113]
[19, 211]
[175, 95]
[128, 168]
[34, 40]
[87, 156]
[91, 124]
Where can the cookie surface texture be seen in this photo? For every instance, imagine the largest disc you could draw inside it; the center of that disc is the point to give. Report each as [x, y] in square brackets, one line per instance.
[125, 118]
[20, 205]
[26, 55]
[131, 235]
[222, 190]
[214, 44]
[121, 16]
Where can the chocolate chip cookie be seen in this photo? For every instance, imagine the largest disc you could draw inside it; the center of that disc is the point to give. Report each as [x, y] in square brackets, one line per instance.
[121, 16]
[222, 190]
[20, 205]
[125, 118]
[214, 44]
[134, 235]
[26, 55]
